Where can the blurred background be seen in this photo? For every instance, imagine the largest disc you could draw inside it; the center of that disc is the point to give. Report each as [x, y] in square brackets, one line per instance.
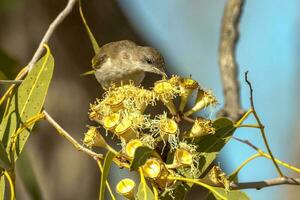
[187, 34]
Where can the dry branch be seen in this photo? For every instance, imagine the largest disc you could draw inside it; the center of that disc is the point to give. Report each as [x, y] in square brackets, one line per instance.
[227, 60]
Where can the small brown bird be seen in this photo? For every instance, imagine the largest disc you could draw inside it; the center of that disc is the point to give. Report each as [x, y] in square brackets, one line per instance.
[124, 61]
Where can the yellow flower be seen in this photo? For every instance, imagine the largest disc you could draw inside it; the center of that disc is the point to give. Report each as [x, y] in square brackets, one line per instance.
[166, 92]
[94, 138]
[200, 128]
[131, 146]
[186, 86]
[115, 101]
[125, 129]
[217, 176]
[168, 126]
[111, 121]
[125, 187]
[204, 99]
[183, 157]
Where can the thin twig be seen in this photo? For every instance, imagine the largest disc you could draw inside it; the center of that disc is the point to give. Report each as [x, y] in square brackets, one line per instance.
[262, 128]
[66, 135]
[262, 153]
[245, 185]
[227, 60]
[52, 27]
[247, 142]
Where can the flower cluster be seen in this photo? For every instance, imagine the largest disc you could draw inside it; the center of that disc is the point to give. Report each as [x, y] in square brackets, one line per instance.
[122, 112]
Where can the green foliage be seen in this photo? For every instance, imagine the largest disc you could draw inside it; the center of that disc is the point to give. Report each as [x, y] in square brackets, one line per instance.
[27, 102]
[106, 167]
[144, 192]
[231, 195]
[27, 174]
[211, 145]
[90, 33]
[140, 157]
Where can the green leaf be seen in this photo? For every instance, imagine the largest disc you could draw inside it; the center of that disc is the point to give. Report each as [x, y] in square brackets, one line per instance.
[141, 155]
[211, 145]
[26, 103]
[91, 35]
[231, 195]
[144, 192]
[4, 160]
[2, 187]
[106, 167]
[91, 72]
[28, 176]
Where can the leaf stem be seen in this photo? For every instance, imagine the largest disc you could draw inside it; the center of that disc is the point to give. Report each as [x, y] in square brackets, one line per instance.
[248, 126]
[245, 116]
[155, 191]
[235, 173]
[195, 181]
[11, 185]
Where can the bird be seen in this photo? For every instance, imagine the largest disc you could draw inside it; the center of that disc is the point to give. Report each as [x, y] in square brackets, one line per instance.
[123, 62]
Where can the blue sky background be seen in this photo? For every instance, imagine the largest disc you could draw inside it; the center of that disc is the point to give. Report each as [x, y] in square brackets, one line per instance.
[187, 33]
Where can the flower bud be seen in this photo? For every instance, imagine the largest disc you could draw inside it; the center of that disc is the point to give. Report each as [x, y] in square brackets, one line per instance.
[200, 128]
[186, 86]
[111, 121]
[131, 146]
[125, 130]
[204, 99]
[125, 187]
[94, 138]
[166, 92]
[182, 157]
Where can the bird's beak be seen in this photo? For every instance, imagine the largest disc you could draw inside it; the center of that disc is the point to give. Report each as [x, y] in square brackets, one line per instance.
[154, 70]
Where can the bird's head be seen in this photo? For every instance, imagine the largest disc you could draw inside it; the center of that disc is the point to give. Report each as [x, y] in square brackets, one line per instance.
[151, 60]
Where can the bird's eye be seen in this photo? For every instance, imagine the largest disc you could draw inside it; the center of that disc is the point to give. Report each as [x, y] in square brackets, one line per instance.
[148, 61]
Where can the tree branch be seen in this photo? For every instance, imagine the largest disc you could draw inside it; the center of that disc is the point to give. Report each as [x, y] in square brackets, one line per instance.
[228, 65]
[266, 183]
[66, 135]
[52, 27]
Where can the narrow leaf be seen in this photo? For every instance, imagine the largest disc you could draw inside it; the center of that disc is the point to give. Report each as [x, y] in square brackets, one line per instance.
[91, 35]
[140, 157]
[144, 192]
[106, 167]
[26, 103]
[230, 195]
[4, 161]
[91, 72]
[28, 176]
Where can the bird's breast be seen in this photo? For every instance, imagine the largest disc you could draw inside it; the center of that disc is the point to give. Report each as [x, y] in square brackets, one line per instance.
[117, 73]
